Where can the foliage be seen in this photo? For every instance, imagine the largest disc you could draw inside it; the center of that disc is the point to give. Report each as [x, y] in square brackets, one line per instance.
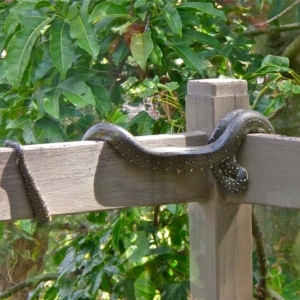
[124, 256]
[272, 83]
[67, 64]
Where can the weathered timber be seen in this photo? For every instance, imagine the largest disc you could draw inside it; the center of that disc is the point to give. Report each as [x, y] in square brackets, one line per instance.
[220, 232]
[89, 176]
[273, 164]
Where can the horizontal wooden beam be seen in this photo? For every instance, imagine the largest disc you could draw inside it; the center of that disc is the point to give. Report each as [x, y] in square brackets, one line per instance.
[273, 164]
[89, 176]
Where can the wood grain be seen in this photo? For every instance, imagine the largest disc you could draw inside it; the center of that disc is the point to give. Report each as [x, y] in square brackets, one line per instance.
[273, 164]
[220, 231]
[89, 176]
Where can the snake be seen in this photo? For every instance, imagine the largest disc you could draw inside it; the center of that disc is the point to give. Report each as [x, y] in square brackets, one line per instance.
[218, 155]
[39, 206]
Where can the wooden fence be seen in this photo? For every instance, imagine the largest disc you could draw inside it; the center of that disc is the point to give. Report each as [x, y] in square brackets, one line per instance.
[90, 176]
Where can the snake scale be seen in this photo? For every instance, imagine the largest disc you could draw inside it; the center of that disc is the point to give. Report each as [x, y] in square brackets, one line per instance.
[218, 155]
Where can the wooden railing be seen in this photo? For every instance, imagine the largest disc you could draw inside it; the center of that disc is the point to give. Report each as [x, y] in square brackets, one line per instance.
[90, 176]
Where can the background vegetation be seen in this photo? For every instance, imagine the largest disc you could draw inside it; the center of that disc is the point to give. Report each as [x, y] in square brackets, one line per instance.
[67, 64]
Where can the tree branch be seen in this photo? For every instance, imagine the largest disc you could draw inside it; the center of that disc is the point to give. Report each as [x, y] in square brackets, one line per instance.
[31, 281]
[270, 29]
[292, 50]
[261, 287]
[261, 24]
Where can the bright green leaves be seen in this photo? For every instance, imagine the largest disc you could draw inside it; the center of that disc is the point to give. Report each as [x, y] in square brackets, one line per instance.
[60, 46]
[20, 47]
[173, 18]
[141, 47]
[85, 33]
[268, 96]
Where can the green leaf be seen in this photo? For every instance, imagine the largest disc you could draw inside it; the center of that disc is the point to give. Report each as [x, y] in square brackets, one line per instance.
[175, 291]
[144, 288]
[26, 225]
[38, 97]
[296, 89]
[12, 19]
[19, 122]
[144, 121]
[72, 11]
[173, 208]
[268, 105]
[80, 73]
[117, 232]
[207, 8]
[102, 100]
[2, 230]
[141, 46]
[118, 117]
[203, 38]
[85, 33]
[76, 130]
[189, 57]
[173, 18]
[2, 42]
[77, 92]
[97, 283]
[42, 69]
[24, 123]
[156, 55]
[139, 3]
[108, 11]
[41, 4]
[19, 48]
[49, 131]
[160, 250]
[51, 103]
[68, 264]
[271, 60]
[60, 46]
[169, 86]
[284, 86]
[120, 53]
[142, 247]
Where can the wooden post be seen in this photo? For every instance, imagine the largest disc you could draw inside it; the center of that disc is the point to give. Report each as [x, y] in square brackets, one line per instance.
[220, 231]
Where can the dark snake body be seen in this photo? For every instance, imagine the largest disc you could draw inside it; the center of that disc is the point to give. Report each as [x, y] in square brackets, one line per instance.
[37, 201]
[218, 155]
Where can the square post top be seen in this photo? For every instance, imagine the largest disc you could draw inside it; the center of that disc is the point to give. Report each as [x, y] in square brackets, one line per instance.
[217, 87]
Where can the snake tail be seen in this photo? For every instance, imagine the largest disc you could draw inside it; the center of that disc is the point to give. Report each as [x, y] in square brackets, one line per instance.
[36, 199]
